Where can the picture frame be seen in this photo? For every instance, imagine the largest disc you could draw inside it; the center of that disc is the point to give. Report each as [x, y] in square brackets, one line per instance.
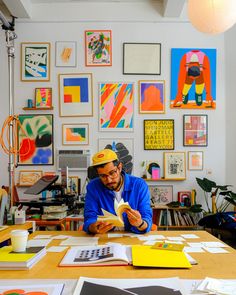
[116, 110]
[74, 185]
[161, 194]
[159, 134]
[193, 78]
[29, 177]
[195, 130]
[75, 95]
[98, 48]
[142, 58]
[174, 165]
[195, 160]
[43, 97]
[151, 97]
[66, 54]
[184, 195]
[75, 134]
[35, 61]
[36, 140]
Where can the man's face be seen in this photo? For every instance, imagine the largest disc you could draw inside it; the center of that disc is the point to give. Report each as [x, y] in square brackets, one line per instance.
[110, 175]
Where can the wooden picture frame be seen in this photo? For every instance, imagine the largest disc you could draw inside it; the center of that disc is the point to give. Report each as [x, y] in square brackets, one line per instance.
[75, 134]
[35, 61]
[74, 185]
[195, 160]
[76, 95]
[66, 54]
[43, 97]
[151, 97]
[183, 195]
[29, 177]
[98, 48]
[36, 140]
[159, 134]
[195, 130]
[141, 58]
[161, 194]
[174, 165]
[116, 106]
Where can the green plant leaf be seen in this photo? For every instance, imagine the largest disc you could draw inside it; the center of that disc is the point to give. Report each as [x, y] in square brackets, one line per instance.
[206, 184]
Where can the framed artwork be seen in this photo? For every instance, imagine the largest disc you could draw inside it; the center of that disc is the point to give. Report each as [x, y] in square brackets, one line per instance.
[75, 95]
[35, 61]
[116, 106]
[29, 177]
[35, 139]
[66, 54]
[193, 78]
[75, 134]
[195, 160]
[195, 131]
[161, 194]
[74, 185]
[98, 48]
[184, 198]
[117, 143]
[151, 97]
[159, 134]
[141, 58]
[43, 97]
[174, 165]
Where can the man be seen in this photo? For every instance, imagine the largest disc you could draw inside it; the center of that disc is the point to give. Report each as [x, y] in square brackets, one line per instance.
[112, 184]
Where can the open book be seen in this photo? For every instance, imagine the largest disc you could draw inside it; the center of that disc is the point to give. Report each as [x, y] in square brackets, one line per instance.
[97, 256]
[116, 220]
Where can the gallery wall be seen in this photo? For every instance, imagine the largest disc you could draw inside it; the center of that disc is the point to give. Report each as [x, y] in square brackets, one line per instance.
[170, 35]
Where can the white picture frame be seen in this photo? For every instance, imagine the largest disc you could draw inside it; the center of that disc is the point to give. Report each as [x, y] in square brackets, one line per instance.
[66, 53]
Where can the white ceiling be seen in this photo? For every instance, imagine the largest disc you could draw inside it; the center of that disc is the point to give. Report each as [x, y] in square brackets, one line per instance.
[25, 8]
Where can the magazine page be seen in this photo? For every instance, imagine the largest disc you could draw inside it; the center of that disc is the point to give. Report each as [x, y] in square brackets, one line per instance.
[99, 255]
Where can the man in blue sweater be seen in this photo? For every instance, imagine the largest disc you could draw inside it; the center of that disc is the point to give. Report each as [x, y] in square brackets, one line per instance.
[112, 184]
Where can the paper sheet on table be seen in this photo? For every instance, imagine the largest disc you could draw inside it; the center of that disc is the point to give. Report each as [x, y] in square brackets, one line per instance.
[80, 241]
[176, 238]
[214, 244]
[60, 237]
[112, 235]
[193, 250]
[56, 249]
[215, 250]
[190, 236]
[43, 237]
[38, 242]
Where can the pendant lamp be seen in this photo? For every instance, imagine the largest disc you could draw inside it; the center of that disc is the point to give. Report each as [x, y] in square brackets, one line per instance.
[212, 16]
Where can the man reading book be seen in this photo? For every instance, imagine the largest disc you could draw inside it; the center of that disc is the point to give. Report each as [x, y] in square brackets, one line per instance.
[113, 183]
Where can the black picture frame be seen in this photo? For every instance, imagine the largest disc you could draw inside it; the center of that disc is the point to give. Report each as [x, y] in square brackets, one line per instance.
[159, 134]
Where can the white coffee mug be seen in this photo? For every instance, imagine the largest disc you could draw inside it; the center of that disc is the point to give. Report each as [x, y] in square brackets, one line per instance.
[19, 240]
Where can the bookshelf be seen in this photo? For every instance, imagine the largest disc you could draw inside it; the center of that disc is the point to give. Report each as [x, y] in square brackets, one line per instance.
[175, 217]
[36, 109]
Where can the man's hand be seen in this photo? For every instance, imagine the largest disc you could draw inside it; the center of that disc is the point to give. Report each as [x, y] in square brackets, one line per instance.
[134, 217]
[100, 227]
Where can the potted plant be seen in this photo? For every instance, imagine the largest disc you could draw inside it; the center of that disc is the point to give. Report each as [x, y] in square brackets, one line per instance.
[221, 197]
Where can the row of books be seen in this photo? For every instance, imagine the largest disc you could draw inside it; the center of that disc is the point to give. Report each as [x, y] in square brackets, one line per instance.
[10, 260]
[177, 218]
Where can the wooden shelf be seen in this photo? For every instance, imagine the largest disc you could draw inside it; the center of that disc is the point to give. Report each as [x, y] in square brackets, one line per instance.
[164, 179]
[36, 109]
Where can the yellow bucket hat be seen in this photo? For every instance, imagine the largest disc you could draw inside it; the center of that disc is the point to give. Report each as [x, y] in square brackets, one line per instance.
[103, 157]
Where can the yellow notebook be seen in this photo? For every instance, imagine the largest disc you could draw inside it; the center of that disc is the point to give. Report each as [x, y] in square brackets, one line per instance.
[149, 257]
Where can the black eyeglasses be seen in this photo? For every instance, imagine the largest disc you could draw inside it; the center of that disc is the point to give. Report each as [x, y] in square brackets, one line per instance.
[112, 174]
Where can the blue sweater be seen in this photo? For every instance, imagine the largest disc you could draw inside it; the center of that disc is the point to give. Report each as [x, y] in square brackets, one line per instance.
[135, 192]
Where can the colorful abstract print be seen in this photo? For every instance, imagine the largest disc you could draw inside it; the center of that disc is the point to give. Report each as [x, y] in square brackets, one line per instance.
[35, 138]
[76, 90]
[116, 106]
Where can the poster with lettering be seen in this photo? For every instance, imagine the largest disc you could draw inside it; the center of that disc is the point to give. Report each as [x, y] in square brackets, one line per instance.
[159, 134]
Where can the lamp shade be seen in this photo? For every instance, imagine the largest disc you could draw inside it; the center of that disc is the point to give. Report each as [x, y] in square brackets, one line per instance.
[212, 16]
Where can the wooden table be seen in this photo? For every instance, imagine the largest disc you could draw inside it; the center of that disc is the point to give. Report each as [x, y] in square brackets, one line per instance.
[5, 234]
[211, 265]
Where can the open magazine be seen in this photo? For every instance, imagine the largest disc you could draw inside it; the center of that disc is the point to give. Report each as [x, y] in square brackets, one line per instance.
[97, 256]
[116, 220]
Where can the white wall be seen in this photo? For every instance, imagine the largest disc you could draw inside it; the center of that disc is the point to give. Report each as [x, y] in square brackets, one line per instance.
[170, 34]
